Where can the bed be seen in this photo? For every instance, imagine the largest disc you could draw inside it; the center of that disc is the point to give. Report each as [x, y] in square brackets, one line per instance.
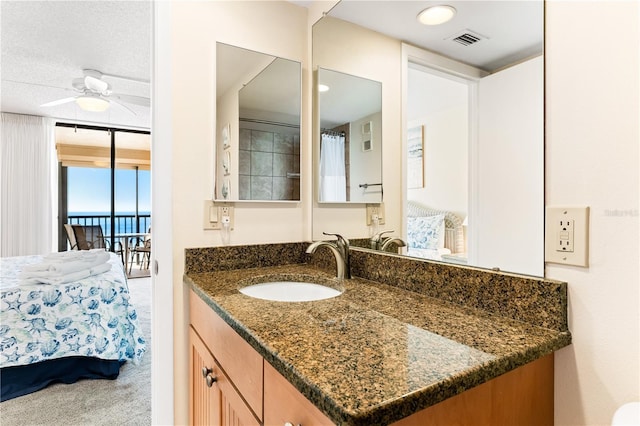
[64, 332]
[432, 233]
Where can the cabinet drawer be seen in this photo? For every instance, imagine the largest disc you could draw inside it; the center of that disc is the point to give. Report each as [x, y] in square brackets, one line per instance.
[283, 403]
[239, 360]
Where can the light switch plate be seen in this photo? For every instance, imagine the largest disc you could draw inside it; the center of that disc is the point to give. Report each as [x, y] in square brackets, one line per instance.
[207, 216]
[567, 235]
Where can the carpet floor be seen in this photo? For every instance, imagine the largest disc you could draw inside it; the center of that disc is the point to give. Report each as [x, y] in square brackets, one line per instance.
[124, 401]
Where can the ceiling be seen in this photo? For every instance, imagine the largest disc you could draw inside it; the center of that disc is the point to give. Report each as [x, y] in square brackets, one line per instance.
[46, 44]
[510, 31]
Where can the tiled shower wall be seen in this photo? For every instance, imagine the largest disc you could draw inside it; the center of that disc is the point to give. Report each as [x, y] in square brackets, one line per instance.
[265, 159]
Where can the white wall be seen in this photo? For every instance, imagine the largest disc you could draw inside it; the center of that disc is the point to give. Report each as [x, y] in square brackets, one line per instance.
[362, 163]
[276, 28]
[592, 138]
[446, 162]
[508, 186]
[442, 106]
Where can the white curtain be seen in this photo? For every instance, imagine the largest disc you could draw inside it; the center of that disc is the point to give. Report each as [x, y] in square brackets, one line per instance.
[25, 179]
[333, 179]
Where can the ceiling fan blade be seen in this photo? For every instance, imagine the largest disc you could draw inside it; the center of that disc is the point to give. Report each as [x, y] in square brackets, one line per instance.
[123, 106]
[58, 102]
[95, 84]
[136, 100]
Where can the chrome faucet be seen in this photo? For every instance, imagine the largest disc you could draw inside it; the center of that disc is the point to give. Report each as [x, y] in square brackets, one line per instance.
[379, 242]
[376, 240]
[340, 249]
[397, 240]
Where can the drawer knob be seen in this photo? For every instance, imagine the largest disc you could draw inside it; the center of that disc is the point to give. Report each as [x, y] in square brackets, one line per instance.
[205, 371]
[210, 380]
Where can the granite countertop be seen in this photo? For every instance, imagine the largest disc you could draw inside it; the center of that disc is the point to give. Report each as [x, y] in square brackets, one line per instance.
[376, 353]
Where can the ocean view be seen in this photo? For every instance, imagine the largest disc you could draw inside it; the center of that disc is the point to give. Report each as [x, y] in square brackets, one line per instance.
[125, 222]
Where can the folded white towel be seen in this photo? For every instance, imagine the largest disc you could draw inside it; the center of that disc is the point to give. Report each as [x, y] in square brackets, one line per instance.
[100, 269]
[78, 265]
[60, 279]
[54, 269]
[44, 266]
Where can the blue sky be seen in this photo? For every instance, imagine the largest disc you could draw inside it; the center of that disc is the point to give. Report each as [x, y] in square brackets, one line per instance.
[89, 190]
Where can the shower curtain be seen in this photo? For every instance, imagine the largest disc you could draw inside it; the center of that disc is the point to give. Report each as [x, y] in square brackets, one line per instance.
[333, 180]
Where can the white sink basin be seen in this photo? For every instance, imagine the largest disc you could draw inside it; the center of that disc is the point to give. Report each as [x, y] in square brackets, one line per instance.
[290, 291]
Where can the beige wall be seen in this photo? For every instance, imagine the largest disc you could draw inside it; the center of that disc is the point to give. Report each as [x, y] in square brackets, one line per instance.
[276, 28]
[592, 138]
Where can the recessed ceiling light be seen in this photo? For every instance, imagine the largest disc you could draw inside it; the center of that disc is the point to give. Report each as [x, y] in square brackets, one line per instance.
[323, 88]
[436, 15]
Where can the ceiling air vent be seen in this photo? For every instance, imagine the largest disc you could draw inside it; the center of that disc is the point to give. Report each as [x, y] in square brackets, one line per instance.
[466, 38]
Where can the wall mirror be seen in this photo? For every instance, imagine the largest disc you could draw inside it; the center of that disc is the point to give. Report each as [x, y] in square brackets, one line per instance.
[258, 99]
[349, 151]
[490, 209]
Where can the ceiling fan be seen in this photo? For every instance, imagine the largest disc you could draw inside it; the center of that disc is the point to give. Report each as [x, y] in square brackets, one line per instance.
[96, 94]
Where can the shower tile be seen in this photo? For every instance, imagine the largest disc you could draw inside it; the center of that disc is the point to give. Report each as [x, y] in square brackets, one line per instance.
[296, 144]
[283, 143]
[244, 187]
[282, 188]
[244, 162]
[261, 163]
[282, 163]
[296, 163]
[245, 139]
[261, 141]
[261, 188]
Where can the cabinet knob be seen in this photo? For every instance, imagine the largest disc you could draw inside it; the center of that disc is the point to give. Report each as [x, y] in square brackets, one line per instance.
[210, 380]
[291, 424]
[205, 371]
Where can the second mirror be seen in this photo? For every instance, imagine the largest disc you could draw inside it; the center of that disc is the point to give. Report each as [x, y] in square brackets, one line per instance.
[349, 148]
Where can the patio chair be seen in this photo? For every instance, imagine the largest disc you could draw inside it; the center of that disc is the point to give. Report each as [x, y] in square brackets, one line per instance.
[87, 237]
[145, 250]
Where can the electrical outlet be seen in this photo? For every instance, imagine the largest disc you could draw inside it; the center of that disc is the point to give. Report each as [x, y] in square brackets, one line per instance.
[375, 211]
[225, 215]
[567, 235]
[215, 215]
[564, 236]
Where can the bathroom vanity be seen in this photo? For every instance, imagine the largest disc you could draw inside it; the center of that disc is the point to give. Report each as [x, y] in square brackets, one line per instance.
[406, 342]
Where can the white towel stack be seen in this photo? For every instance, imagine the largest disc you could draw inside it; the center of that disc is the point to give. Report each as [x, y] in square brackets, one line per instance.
[65, 267]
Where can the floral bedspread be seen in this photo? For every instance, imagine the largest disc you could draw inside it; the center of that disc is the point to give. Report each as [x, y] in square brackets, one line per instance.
[91, 317]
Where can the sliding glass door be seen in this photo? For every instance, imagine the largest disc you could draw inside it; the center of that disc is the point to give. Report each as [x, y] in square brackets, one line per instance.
[104, 180]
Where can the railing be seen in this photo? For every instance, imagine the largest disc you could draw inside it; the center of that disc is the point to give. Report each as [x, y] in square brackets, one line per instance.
[124, 224]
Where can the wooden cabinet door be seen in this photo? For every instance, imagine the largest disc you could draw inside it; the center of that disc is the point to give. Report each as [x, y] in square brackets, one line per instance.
[240, 361]
[215, 402]
[202, 399]
[283, 403]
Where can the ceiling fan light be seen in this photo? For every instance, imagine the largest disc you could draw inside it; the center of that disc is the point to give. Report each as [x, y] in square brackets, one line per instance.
[92, 103]
[436, 15]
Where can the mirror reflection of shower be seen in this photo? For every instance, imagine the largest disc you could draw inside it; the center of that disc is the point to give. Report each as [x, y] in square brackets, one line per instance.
[258, 102]
[350, 143]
